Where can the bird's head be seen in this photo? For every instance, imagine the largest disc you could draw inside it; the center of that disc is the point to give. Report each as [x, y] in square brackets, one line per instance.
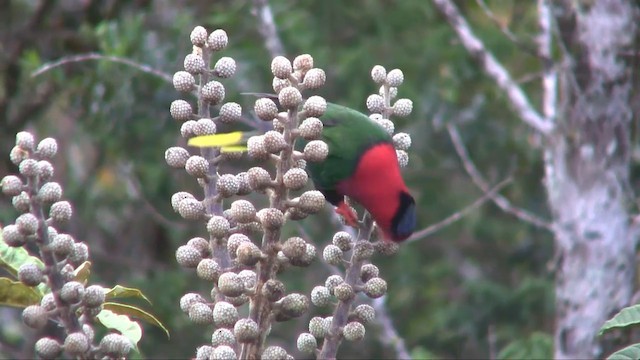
[403, 222]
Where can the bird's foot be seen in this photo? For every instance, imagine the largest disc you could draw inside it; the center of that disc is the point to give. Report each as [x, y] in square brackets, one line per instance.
[348, 214]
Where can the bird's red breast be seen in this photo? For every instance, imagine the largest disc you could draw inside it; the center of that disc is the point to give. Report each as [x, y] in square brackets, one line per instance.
[376, 184]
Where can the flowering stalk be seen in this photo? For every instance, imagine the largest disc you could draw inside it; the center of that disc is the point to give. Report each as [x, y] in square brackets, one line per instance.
[267, 303]
[63, 296]
[240, 270]
[360, 276]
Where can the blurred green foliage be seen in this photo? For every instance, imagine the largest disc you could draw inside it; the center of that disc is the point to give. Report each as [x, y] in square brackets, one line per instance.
[478, 288]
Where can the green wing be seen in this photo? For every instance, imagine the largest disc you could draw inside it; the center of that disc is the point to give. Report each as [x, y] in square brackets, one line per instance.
[349, 134]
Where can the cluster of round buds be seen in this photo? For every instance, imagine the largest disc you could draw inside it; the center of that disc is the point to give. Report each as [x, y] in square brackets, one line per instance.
[336, 288]
[188, 206]
[34, 193]
[381, 108]
[197, 77]
[202, 75]
[297, 252]
[34, 166]
[300, 73]
[235, 280]
[291, 306]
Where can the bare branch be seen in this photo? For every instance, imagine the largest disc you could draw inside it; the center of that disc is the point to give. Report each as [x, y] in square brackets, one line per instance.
[505, 29]
[550, 74]
[492, 340]
[432, 229]
[267, 27]
[95, 56]
[136, 188]
[493, 68]
[477, 178]
[389, 335]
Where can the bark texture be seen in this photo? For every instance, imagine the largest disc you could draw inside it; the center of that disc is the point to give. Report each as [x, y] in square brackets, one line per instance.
[587, 171]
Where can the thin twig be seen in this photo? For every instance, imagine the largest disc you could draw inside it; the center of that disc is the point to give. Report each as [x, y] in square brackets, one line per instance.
[95, 56]
[493, 68]
[492, 340]
[267, 27]
[136, 187]
[505, 29]
[477, 178]
[432, 229]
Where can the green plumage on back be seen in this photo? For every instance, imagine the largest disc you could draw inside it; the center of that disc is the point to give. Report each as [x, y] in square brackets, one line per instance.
[349, 134]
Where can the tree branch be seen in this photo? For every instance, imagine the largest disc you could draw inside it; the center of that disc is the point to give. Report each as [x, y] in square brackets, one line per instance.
[493, 68]
[432, 229]
[267, 27]
[137, 189]
[477, 178]
[389, 335]
[505, 29]
[95, 56]
[550, 75]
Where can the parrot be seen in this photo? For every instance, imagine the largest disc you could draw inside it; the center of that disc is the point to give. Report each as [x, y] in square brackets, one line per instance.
[362, 165]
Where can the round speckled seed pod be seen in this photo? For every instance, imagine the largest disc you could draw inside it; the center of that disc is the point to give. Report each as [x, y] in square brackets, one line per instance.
[230, 284]
[224, 314]
[375, 287]
[316, 151]
[290, 97]
[270, 218]
[281, 67]
[217, 40]
[353, 331]
[315, 106]
[379, 74]
[320, 296]
[198, 36]
[311, 128]
[246, 330]
[243, 211]
[188, 256]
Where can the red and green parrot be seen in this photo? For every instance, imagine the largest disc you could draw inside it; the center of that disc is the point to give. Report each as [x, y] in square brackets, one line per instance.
[361, 164]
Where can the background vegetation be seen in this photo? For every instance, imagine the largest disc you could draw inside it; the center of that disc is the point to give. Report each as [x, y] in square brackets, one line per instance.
[482, 287]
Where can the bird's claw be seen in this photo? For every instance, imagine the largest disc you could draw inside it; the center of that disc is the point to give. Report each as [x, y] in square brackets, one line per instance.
[348, 214]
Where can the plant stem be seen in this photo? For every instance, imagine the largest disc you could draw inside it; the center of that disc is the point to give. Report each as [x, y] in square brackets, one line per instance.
[218, 247]
[341, 315]
[260, 309]
[55, 281]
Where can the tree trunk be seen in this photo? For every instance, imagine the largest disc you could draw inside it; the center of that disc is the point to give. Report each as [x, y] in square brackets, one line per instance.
[587, 171]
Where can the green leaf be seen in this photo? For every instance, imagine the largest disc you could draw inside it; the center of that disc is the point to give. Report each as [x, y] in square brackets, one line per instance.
[629, 353]
[121, 323]
[627, 316]
[119, 291]
[11, 258]
[15, 293]
[81, 274]
[135, 312]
